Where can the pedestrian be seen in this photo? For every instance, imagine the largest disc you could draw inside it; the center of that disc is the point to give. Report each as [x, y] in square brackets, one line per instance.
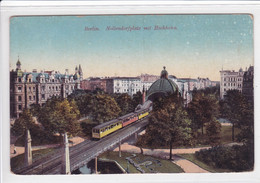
[14, 150]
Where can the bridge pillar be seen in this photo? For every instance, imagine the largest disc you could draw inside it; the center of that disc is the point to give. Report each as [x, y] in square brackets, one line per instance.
[96, 170]
[28, 149]
[119, 149]
[136, 135]
[65, 164]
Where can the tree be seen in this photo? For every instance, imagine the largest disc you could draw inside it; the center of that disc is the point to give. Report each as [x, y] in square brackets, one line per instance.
[105, 108]
[137, 99]
[35, 109]
[213, 129]
[203, 109]
[60, 116]
[169, 125]
[84, 101]
[236, 109]
[24, 122]
[125, 103]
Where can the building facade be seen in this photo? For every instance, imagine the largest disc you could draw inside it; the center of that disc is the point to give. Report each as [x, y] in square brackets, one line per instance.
[129, 85]
[27, 88]
[187, 85]
[93, 84]
[147, 80]
[248, 84]
[230, 80]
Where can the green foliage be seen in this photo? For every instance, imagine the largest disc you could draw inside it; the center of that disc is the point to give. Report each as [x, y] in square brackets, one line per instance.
[137, 99]
[59, 116]
[239, 112]
[105, 108]
[235, 106]
[25, 121]
[236, 158]
[203, 109]
[168, 125]
[84, 101]
[213, 130]
[35, 109]
[125, 103]
[39, 135]
[87, 126]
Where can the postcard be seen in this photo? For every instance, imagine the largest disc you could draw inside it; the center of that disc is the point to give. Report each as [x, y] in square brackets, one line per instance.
[131, 94]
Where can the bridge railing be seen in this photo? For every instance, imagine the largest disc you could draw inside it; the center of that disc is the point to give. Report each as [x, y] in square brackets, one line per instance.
[40, 159]
[110, 145]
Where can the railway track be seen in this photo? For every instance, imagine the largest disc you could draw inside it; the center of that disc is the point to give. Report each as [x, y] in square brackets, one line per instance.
[82, 153]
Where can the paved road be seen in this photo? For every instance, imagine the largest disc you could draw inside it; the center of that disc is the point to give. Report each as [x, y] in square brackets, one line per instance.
[188, 166]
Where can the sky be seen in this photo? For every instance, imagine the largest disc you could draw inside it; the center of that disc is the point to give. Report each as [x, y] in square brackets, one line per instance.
[191, 46]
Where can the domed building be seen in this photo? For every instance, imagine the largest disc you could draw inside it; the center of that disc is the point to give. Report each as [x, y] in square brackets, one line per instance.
[162, 87]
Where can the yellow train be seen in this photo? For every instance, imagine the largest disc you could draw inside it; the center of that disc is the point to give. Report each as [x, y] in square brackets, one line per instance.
[106, 128]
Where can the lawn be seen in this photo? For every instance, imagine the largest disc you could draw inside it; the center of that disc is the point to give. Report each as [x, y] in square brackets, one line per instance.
[158, 165]
[18, 161]
[192, 158]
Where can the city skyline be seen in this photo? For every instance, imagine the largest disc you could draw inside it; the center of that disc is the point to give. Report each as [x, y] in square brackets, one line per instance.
[188, 45]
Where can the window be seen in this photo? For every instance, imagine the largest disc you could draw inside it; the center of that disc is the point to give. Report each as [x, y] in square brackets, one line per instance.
[224, 79]
[56, 88]
[19, 98]
[224, 84]
[30, 88]
[19, 89]
[33, 88]
[43, 87]
[19, 80]
[53, 80]
[43, 96]
[34, 97]
[30, 97]
[20, 107]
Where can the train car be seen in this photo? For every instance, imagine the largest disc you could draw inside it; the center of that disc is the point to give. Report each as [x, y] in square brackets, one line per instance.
[106, 128]
[142, 113]
[128, 118]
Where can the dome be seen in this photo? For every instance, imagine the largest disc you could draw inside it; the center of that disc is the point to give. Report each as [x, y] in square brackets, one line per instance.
[162, 86]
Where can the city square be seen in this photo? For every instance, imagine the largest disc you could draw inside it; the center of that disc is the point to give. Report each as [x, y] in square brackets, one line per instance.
[178, 98]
